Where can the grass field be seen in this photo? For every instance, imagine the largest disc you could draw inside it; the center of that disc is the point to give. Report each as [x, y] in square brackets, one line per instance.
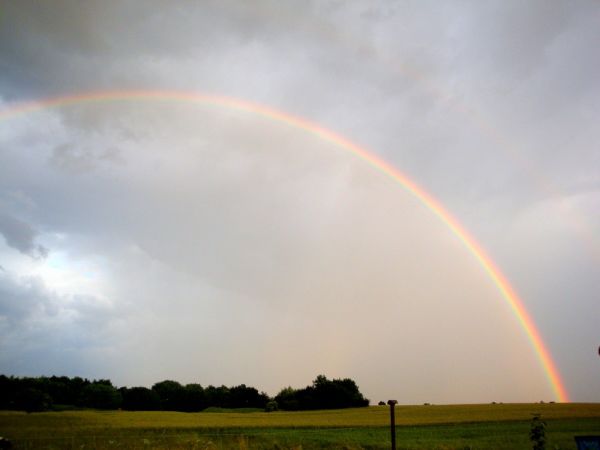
[499, 426]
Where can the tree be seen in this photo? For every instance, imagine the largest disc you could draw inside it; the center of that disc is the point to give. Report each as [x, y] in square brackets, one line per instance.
[195, 398]
[287, 399]
[271, 406]
[33, 400]
[322, 394]
[243, 396]
[101, 396]
[140, 399]
[217, 396]
[171, 395]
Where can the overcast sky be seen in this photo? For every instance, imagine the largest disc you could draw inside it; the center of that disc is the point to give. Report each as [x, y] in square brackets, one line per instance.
[144, 240]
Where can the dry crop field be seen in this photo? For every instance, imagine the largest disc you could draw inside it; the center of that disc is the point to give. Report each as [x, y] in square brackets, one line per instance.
[494, 426]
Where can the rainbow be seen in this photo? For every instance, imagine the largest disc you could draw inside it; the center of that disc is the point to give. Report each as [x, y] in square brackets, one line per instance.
[500, 281]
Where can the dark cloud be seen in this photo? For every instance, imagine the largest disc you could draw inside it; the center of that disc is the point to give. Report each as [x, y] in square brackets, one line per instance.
[21, 236]
[22, 300]
[46, 331]
[26, 300]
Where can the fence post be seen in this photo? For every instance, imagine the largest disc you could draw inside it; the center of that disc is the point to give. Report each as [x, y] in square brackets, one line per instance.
[392, 404]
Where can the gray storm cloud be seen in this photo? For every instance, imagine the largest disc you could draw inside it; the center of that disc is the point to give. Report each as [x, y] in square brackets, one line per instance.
[21, 236]
[202, 239]
[281, 237]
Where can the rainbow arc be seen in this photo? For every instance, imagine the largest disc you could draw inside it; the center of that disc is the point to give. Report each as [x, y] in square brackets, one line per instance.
[507, 292]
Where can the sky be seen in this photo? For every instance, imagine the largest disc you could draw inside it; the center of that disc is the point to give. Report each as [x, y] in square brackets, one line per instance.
[145, 238]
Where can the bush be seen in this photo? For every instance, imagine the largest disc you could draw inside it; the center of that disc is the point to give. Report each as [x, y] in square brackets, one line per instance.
[271, 406]
[537, 433]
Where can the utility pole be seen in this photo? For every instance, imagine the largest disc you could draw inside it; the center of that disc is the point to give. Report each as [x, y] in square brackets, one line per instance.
[392, 404]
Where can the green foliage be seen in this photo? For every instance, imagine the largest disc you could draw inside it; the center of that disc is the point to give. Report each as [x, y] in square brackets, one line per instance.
[39, 394]
[537, 433]
[171, 395]
[243, 396]
[101, 395]
[323, 394]
[140, 399]
[33, 400]
[271, 406]
[287, 399]
[194, 398]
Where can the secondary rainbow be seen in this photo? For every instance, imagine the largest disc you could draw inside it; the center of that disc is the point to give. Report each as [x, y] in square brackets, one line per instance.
[502, 284]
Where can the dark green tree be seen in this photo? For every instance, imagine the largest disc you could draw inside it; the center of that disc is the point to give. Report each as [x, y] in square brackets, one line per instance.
[287, 399]
[101, 396]
[140, 399]
[322, 394]
[33, 400]
[195, 398]
[271, 406]
[217, 396]
[171, 394]
[243, 396]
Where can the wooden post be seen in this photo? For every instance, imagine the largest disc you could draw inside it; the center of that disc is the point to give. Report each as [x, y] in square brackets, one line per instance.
[392, 404]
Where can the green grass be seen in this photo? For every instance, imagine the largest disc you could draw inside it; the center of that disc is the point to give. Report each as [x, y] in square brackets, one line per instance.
[216, 409]
[501, 426]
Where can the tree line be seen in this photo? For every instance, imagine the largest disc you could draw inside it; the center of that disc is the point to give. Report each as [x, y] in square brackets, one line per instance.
[35, 394]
